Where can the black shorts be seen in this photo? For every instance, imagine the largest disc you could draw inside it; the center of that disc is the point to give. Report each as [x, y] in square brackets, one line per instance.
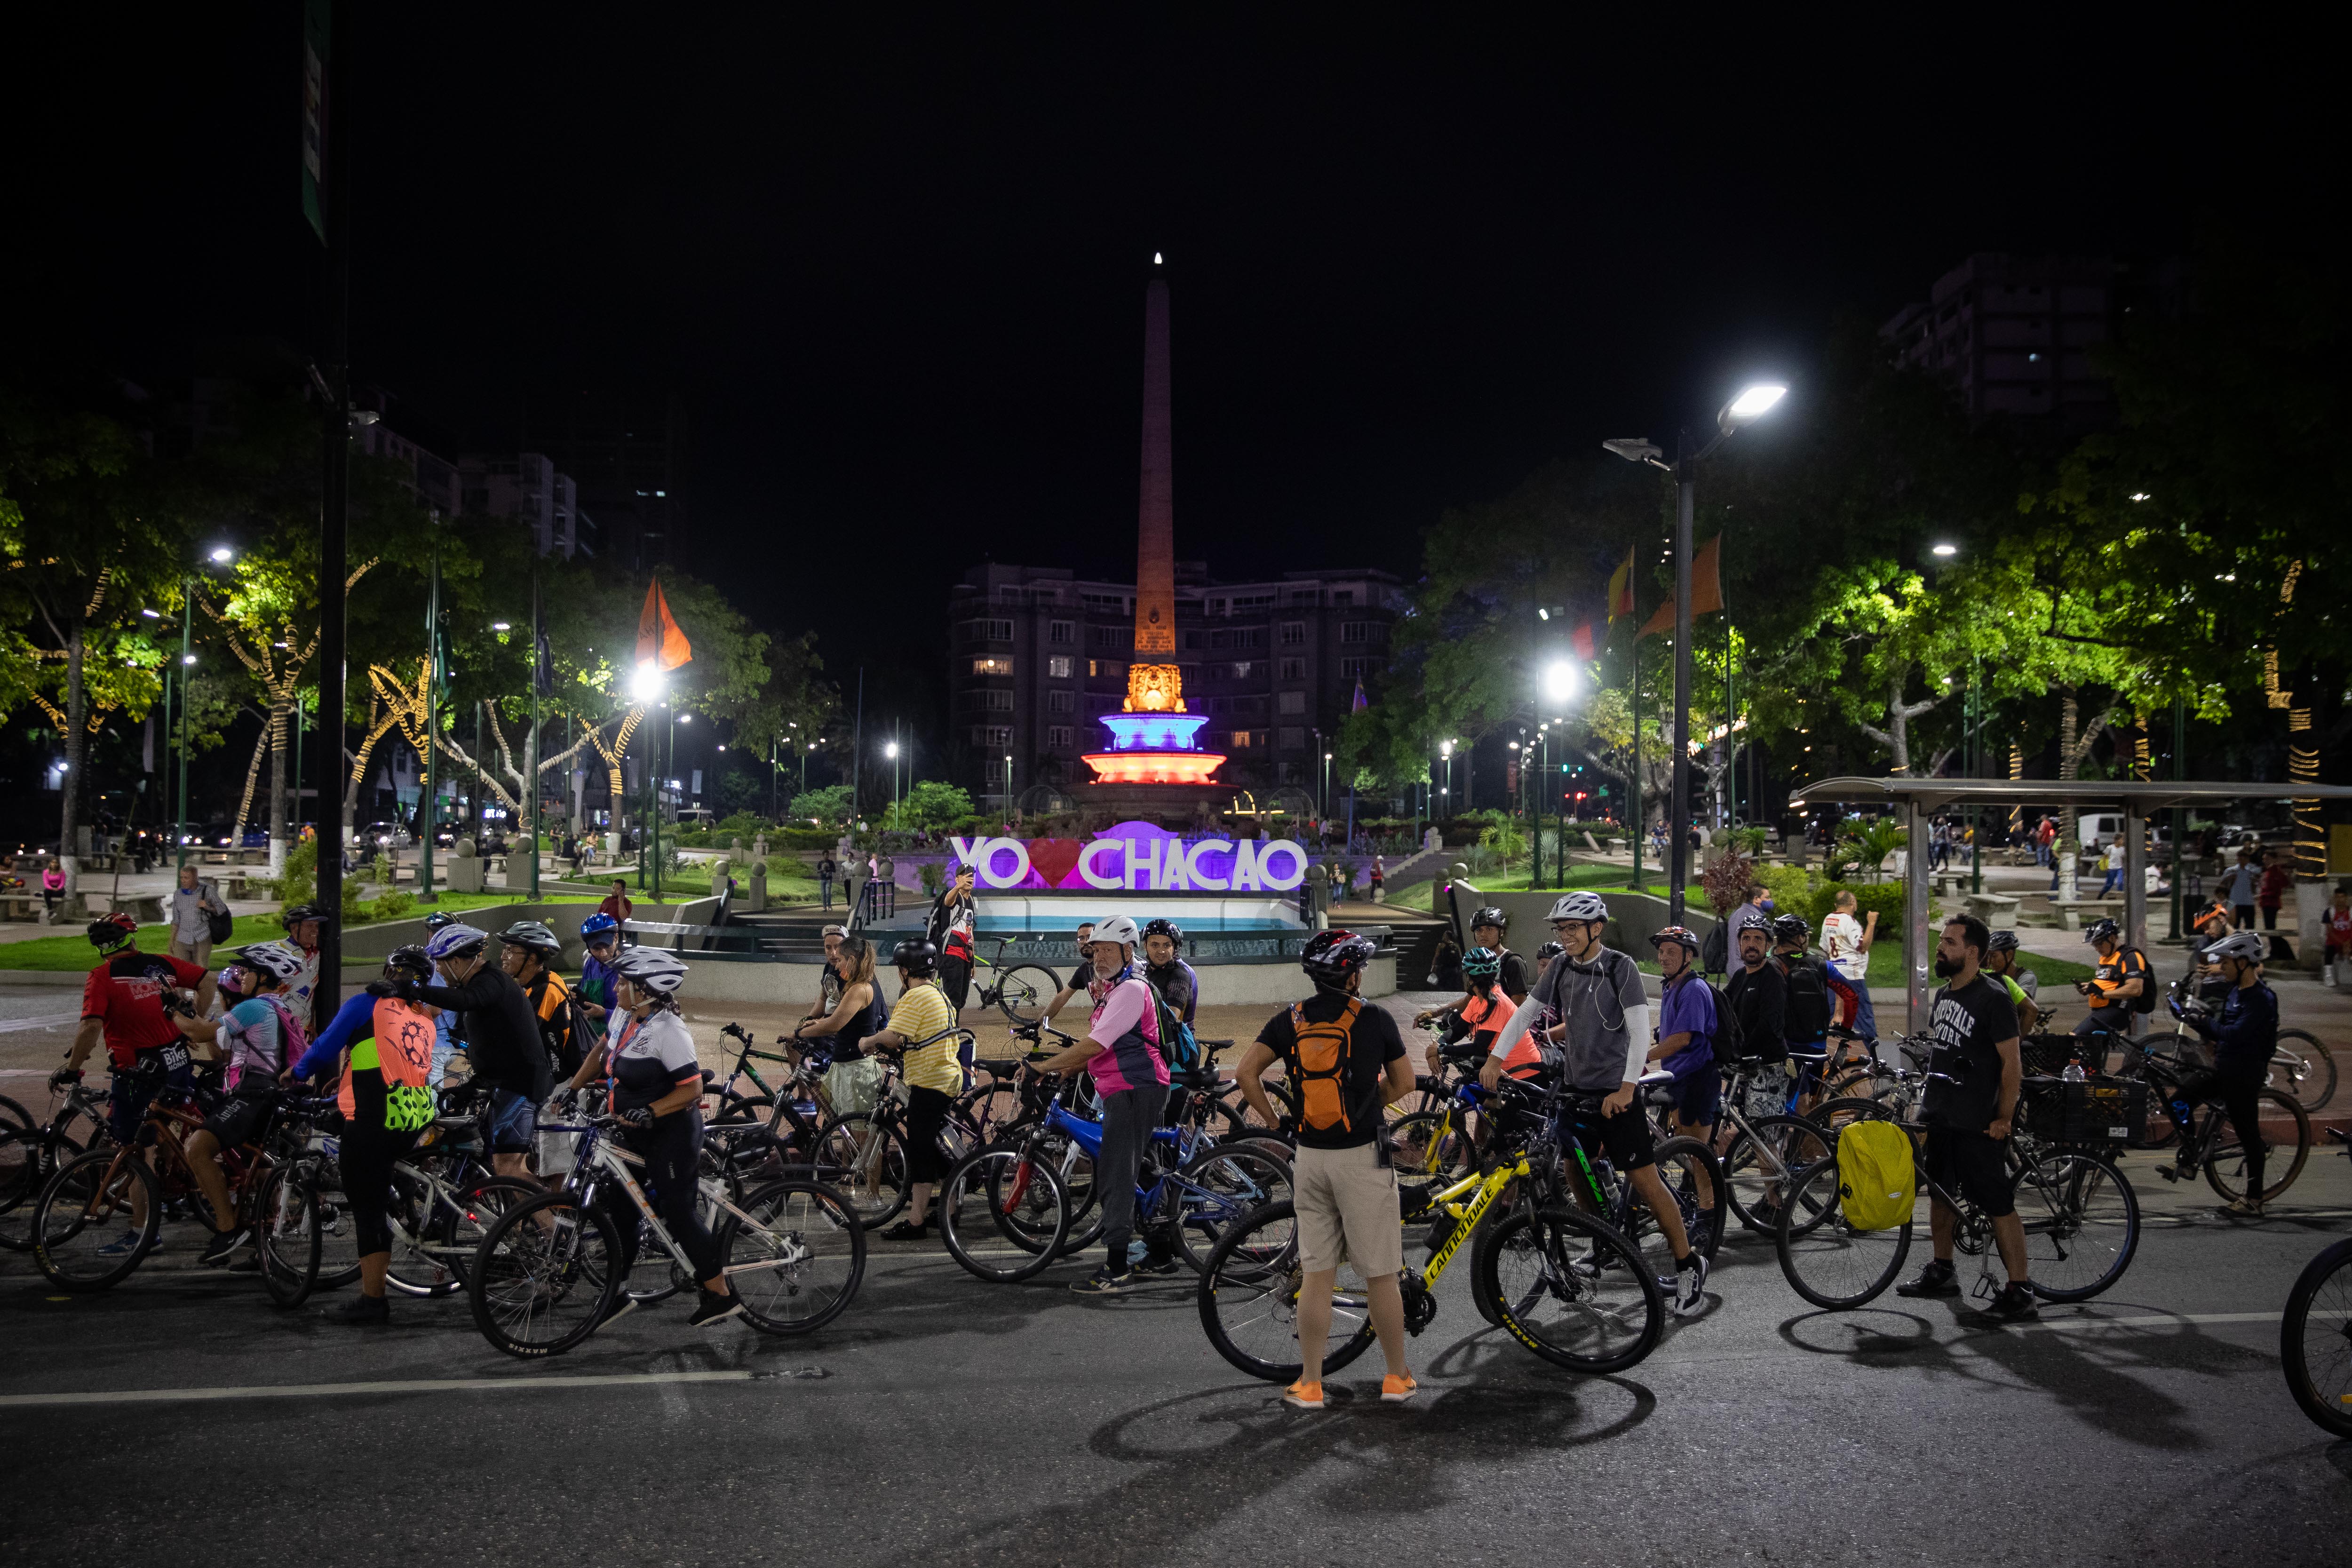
[241, 1119]
[1973, 1164]
[926, 1115]
[1624, 1137]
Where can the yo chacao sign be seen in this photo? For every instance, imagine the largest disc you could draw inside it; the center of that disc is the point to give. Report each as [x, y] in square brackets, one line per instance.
[1136, 855]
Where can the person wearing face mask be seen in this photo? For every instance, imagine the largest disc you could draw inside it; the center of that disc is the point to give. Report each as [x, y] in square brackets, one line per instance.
[1606, 1028]
[2243, 1033]
[1123, 1053]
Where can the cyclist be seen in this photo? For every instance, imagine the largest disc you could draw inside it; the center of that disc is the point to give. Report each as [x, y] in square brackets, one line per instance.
[128, 1001]
[384, 1043]
[656, 1079]
[1080, 978]
[1472, 1023]
[858, 1012]
[2207, 927]
[1545, 954]
[1343, 1182]
[949, 933]
[527, 952]
[2022, 984]
[2242, 1036]
[1975, 1072]
[922, 1024]
[259, 1036]
[1121, 1051]
[1687, 1031]
[1605, 1027]
[2122, 976]
[601, 934]
[1486, 929]
[302, 923]
[1178, 984]
[1756, 992]
[502, 1037]
[1818, 995]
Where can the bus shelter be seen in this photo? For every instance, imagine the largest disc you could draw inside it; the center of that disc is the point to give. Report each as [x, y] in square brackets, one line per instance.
[1920, 799]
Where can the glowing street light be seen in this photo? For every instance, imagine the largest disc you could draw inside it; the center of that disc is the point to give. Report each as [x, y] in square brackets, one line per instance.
[1753, 403]
[646, 684]
[1945, 549]
[1559, 680]
[224, 555]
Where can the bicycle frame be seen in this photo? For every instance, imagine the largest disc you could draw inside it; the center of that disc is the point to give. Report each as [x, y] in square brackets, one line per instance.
[599, 1156]
[1483, 1191]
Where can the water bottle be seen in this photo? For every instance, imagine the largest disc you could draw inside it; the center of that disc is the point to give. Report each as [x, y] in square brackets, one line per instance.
[2074, 1073]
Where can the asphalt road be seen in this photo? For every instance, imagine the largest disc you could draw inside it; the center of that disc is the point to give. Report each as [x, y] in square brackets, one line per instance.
[942, 1421]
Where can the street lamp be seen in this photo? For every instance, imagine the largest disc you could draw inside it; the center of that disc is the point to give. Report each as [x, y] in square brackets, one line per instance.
[1559, 680]
[1753, 403]
[1446, 790]
[1945, 549]
[890, 749]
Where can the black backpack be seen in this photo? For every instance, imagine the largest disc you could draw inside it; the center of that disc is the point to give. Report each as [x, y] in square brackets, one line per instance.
[1730, 1039]
[2145, 1002]
[1810, 1011]
[1714, 950]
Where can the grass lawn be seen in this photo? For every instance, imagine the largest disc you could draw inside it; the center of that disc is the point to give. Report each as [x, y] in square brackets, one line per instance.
[73, 952]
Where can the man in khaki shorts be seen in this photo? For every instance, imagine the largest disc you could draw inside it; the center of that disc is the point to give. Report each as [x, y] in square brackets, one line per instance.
[1349, 1063]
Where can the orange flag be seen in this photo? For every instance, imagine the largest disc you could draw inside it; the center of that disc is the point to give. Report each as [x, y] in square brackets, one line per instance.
[659, 642]
[1582, 640]
[1706, 588]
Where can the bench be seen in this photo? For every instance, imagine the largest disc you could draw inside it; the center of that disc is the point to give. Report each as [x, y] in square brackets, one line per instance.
[2070, 911]
[1998, 910]
[20, 906]
[147, 908]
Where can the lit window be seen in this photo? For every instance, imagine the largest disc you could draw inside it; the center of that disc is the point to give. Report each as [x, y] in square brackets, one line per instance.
[992, 667]
[1058, 666]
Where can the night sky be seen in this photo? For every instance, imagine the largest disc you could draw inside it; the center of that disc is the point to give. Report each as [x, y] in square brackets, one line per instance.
[894, 276]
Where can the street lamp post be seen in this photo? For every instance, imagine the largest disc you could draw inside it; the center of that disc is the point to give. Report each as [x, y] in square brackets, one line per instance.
[1751, 403]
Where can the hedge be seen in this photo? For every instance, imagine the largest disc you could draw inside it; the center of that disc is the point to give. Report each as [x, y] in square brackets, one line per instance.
[1796, 891]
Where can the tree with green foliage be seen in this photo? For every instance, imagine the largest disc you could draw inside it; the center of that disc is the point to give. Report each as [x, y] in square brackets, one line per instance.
[827, 807]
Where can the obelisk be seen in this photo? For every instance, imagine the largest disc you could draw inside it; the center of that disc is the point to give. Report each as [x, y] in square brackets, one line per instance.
[1153, 681]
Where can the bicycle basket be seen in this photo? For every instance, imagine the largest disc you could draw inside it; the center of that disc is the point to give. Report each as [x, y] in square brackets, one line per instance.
[2096, 1111]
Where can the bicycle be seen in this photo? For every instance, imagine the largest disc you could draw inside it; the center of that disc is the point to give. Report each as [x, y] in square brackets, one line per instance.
[1022, 992]
[866, 1151]
[31, 1152]
[2302, 1067]
[546, 1273]
[1760, 1154]
[2211, 1145]
[2315, 1335]
[2078, 1213]
[1566, 1284]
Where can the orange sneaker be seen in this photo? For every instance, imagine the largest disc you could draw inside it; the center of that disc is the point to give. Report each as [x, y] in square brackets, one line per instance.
[1305, 1395]
[1395, 1390]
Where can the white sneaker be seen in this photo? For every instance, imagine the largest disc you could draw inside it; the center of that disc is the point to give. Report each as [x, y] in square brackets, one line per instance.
[1690, 1286]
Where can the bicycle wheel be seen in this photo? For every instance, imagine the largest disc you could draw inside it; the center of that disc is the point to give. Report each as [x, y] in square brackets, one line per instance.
[1432, 1151]
[794, 1257]
[1693, 1180]
[733, 1109]
[1830, 1263]
[1570, 1288]
[866, 1161]
[990, 1108]
[338, 1237]
[1024, 990]
[1762, 1160]
[286, 1234]
[2302, 1066]
[1831, 1115]
[1248, 1299]
[2315, 1339]
[1003, 1216]
[461, 1220]
[20, 1184]
[2081, 1220]
[544, 1277]
[2225, 1161]
[15, 1115]
[96, 1220]
[1219, 1187]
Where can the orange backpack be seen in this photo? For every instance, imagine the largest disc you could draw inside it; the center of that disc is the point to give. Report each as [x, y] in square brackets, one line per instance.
[1319, 1061]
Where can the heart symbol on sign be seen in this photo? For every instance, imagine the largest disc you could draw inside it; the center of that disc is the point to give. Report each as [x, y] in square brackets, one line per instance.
[1053, 859]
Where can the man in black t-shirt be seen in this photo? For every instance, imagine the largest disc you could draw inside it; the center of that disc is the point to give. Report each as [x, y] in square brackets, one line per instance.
[1970, 1110]
[1757, 993]
[1486, 929]
[1080, 978]
[1343, 1184]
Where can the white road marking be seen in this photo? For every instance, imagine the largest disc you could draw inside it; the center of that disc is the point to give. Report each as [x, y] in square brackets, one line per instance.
[2161, 1320]
[329, 1390]
[46, 1021]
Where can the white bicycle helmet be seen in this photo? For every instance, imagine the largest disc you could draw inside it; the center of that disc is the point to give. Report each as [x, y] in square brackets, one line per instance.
[2245, 945]
[651, 968]
[281, 960]
[1579, 906]
[1117, 929]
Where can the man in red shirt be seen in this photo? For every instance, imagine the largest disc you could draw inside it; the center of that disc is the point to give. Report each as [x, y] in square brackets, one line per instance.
[122, 1003]
[616, 902]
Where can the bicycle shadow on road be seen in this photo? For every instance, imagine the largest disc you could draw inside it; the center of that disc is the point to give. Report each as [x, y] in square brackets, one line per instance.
[2086, 1371]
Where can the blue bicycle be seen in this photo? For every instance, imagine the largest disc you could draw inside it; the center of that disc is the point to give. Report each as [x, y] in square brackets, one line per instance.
[1006, 1212]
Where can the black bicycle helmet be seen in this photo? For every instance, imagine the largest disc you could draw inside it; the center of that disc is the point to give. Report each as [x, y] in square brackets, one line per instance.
[1683, 935]
[1490, 916]
[112, 930]
[1163, 926]
[2104, 930]
[532, 936]
[297, 914]
[1548, 951]
[2002, 942]
[916, 956]
[1792, 929]
[1332, 956]
[408, 960]
[439, 919]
